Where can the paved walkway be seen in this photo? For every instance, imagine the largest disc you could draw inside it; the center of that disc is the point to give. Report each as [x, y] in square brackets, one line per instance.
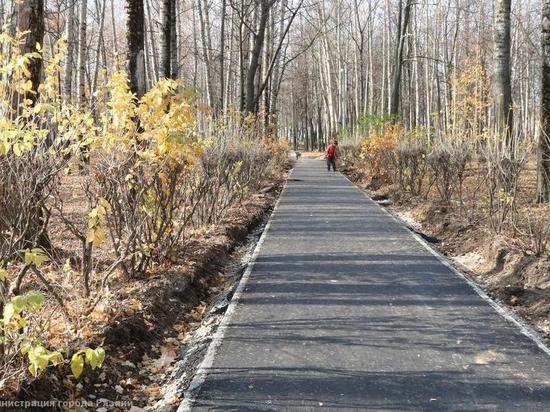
[346, 310]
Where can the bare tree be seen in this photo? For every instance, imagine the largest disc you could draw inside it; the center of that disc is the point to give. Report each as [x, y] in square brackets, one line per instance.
[544, 137]
[206, 40]
[174, 57]
[252, 98]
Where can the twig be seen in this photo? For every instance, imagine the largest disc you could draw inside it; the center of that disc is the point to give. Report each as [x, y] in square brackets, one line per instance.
[15, 289]
[50, 288]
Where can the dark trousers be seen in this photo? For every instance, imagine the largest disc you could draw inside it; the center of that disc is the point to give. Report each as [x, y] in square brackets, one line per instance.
[331, 162]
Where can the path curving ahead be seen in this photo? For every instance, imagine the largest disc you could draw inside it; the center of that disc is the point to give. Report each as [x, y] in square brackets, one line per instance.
[345, 309]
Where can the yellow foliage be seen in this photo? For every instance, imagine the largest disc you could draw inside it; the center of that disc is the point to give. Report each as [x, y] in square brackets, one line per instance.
[377, 149]
[35, 257]
[276, 147]
[471, 98]
[96, 223]
[160, 127]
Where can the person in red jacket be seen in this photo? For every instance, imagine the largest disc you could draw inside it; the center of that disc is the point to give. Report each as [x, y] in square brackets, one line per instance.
[332, 154]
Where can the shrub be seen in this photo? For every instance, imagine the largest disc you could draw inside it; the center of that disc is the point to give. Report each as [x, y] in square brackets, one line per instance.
[410, 162]
[448, 159]
[377, 151]
[503, 163]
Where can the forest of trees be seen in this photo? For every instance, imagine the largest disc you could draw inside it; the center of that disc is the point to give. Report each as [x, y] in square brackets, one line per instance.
[322, 67]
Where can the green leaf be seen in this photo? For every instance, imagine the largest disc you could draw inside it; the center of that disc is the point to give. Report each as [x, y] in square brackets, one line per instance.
[34, 300]
[100, 353]
[3, 275]
[91, 357]
[95, 357]
[39, 357]
[77, 364]
[19, 303]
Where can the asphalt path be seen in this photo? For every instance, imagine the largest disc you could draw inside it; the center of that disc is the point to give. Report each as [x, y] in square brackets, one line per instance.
[345, 309]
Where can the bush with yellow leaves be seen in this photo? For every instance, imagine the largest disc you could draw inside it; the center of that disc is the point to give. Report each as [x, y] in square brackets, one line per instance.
[377, 151]
[149, 169]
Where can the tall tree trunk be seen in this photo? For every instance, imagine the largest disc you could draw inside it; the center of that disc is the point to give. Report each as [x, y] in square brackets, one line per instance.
[544, 137]
[165, 38]
[30, 18]
[174, 60]
[71, 38]
[152, 39]
[113, 23]
[204, 21]
[252, 98]
[404, 17]
[100, 43]
[222, 57]
[503, 82]
[136, 46]
[82, 47]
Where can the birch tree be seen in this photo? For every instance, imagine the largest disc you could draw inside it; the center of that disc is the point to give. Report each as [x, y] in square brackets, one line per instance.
[165, 38]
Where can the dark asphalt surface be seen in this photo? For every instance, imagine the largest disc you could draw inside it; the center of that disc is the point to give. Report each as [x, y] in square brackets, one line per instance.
[345, 310]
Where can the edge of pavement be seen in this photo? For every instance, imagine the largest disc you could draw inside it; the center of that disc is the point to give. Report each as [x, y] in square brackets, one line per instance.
[502, 310]
[203, 369]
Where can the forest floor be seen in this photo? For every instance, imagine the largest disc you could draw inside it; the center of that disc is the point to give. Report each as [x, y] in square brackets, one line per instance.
[504, 265]
[144, 322]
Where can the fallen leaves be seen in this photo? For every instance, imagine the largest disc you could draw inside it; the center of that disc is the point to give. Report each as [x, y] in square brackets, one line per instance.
[198, 313]
[168, 356]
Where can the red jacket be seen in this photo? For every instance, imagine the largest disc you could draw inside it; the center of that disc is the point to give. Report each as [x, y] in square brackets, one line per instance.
[332, 151]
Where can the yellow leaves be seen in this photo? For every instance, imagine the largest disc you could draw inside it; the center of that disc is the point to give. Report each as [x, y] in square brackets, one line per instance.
[378, 148]
[77, 364]
[3, 274]
[29, 302]
[27, 87]
[41, 358]
[95, 357]
[8, 313]
[67, 267]
[96, 223]
[96, 236]
[35, 257]
[92, 357]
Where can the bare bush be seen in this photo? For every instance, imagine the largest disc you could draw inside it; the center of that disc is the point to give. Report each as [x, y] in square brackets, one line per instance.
[503, 162]
[227, 175]
[538, 231]
[411, 166]
[448, 159]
